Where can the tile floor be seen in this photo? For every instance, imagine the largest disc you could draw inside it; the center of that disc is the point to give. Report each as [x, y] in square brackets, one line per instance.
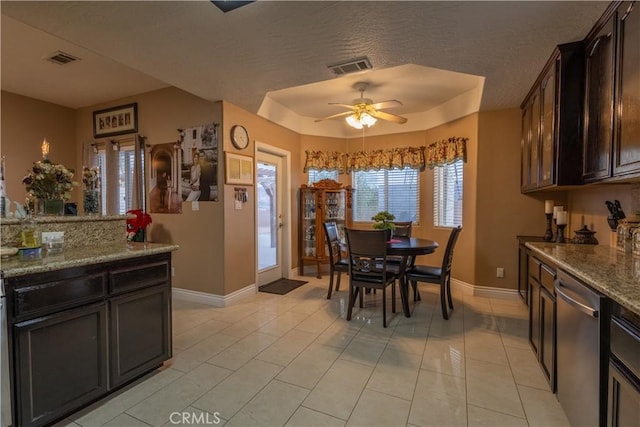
[294, 360]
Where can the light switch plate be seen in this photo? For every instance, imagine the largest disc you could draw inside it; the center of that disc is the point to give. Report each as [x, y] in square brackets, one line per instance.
[52, 235]
[195, 205]
[238, 205]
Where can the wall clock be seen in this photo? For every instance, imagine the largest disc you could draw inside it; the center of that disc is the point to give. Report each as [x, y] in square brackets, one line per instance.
[239, 137]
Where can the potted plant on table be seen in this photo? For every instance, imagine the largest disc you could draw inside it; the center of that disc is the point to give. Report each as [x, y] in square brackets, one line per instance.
[383, 221]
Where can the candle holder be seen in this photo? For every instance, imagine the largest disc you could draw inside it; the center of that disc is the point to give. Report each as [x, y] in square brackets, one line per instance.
[560, 237]
[548, 235]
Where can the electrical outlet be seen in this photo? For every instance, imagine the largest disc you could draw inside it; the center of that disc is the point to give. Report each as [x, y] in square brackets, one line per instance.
[500, 272]
[173, 271]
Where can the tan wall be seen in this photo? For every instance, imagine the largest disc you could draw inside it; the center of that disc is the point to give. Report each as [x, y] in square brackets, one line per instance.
[199, 263]
[25, 123]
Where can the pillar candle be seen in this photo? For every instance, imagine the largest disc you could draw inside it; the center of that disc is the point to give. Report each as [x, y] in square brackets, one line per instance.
[557, 209]
[561, 218]
[548, 206]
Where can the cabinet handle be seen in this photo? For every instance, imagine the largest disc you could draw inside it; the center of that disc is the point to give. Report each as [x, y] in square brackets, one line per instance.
[597, 42]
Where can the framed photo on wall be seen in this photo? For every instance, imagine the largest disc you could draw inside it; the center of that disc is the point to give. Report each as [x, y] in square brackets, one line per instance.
[115, 121]
[238, 169]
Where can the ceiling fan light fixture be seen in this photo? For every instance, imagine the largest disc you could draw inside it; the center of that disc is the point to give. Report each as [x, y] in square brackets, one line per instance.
[359, 120]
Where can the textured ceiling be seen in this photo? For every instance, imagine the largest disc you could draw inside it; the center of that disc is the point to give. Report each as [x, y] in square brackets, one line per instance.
[269, 47]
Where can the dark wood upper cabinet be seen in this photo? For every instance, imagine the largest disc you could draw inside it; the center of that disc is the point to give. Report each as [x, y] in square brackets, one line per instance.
[552, 122]
[626, 156]
[612, 96]
[598, 123]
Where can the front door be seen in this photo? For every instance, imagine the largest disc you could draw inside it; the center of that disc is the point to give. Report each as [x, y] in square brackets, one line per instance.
[269, 217]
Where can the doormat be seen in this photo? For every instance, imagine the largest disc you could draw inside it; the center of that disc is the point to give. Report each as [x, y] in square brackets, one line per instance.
[281, 286]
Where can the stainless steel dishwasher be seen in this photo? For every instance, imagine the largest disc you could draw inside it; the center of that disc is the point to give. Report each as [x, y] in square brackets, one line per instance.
[582, 351]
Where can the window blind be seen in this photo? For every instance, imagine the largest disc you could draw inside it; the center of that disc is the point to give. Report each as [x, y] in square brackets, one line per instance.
[316, 175]
[396, 191]
[447, 195]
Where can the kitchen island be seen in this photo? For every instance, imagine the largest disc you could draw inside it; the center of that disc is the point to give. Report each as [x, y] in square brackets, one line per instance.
[82, 322]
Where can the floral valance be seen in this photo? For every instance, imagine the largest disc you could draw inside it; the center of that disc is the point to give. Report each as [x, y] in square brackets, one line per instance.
[447, 151]
[325, 160]
[393, 158]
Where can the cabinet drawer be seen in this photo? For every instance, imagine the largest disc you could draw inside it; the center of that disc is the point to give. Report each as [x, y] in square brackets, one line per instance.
[136, 277]
[49, 297]
[547, 277]
[534, 268]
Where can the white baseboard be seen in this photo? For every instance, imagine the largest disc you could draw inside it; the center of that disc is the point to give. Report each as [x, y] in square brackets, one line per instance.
[484, 291]
[213, 299]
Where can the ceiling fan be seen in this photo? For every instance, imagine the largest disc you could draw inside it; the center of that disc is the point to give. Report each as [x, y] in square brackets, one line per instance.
[363, 112]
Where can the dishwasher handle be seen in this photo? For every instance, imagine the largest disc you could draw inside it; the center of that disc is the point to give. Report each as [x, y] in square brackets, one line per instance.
[590, 311]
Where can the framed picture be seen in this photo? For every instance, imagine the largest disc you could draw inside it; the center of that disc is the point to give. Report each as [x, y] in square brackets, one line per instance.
[115, 121]
[238, 169]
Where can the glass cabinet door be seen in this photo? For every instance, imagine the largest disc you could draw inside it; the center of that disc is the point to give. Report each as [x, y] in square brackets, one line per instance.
[334, 210]
[309, 223]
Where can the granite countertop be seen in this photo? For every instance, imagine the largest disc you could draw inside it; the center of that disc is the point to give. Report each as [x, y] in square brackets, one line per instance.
[74, 257]
[605, 269]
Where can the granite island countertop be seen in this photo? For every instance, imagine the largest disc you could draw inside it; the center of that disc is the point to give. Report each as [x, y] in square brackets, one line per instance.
[75, 257]
[605, 269]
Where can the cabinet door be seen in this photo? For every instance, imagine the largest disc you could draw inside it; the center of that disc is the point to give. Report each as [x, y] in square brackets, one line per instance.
[624, 398]
[598, 133]
[525, 149]
[523, 278]
[534, 174]
[140, 332]
[534, 315]
[627, 147]
[547, 353]
[61, 363]
[547, 127]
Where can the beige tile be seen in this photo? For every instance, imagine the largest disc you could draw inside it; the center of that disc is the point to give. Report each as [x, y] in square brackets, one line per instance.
[365, 350]
[379, 409]
[482, 417]
[124, 420]
[483, 345]
[310, 365]
[452, 328]
[201, 352]
[107, 409]
[196, 334]
[339, 334]
[272, 406]
[491, 386]
[439, 400]
[395, 374]
[446, 356]
[237, 389]
[241, 352]
[408, 338]
[249, 324]
[283, 323]
[287, 347]
[542, 408]
[338, 391]
[305, 417]
[317, 322]
[156, 409]
[525, 368]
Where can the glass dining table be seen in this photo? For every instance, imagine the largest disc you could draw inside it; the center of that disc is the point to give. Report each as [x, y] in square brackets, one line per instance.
[408, 248]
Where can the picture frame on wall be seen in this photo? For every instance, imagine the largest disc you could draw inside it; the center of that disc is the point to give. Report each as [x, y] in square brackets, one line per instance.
[115, 121]
[238, 169]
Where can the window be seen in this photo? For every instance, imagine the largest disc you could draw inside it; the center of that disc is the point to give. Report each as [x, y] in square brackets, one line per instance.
[447, 195]
[126, 166]
[395, 190]
[316, 175]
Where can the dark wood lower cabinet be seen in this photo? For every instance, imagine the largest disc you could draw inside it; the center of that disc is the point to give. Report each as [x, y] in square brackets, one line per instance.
[140, 332]
[75, 335]
[62, 362]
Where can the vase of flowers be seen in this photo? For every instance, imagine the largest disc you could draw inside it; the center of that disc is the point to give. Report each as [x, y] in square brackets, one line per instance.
[383, 221]
[50, 184]
[137, 224]
[91, 190]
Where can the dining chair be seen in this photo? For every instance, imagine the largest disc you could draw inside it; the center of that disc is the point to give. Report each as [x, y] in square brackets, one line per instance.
[337, 264]
[436, 275]
[368, 268]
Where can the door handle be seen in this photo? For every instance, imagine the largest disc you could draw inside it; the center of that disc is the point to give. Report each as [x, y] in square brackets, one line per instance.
[582, 307]
[280, 225]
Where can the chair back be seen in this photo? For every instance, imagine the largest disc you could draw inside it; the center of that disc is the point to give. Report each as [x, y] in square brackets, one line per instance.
[403, 228]
[367, 254]
[333, 241]
[447, 260]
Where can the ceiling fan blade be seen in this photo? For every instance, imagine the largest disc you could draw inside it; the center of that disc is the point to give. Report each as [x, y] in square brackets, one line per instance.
[386, 104]
[387, 116]
[339, 104]
[335, 116]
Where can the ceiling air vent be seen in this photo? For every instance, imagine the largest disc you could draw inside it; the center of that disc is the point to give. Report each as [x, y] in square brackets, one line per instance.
[62, 58]
[351, 66]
